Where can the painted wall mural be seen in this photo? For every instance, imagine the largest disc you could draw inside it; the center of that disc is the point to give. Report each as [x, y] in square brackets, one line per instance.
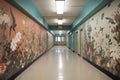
[50, 40]
[21, 40]
[102, 38]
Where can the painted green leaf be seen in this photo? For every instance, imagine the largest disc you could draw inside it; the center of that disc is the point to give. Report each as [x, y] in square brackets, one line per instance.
[4, 25]
[0, 43]
[115, 38]
[4, 37]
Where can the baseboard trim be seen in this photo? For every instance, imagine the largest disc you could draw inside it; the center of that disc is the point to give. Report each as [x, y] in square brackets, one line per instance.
[103, 70]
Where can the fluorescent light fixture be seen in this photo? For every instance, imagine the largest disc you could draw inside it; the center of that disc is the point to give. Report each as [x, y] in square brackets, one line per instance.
[60, 32]
[60, 7]
[60, 21]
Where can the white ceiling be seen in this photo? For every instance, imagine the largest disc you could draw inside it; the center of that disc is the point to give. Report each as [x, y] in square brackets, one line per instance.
[47, 8]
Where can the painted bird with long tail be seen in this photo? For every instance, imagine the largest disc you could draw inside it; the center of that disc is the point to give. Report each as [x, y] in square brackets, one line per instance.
[13, 25]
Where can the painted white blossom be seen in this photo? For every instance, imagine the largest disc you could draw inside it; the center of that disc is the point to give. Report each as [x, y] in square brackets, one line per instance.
[13, 46]
[26, 49]
[15, 41]
[108, 64]
[4, 18]
[115, 52]
[18, 37]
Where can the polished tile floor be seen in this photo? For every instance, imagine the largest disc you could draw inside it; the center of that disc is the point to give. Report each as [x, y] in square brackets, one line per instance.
[60, 63]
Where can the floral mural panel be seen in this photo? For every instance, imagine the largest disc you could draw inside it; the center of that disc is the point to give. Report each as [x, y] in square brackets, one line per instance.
[50, 40]
[22, 40]
[102, 38]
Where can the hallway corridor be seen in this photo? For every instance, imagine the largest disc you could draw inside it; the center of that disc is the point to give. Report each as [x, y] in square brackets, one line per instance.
[60, 63]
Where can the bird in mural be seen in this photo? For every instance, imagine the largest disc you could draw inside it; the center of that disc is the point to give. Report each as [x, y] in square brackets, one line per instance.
[102, 16]
[13, 26]
[107, 35]
[109, 5]
[101, 29]
[110, 43]
[110, 20]
[119, 5]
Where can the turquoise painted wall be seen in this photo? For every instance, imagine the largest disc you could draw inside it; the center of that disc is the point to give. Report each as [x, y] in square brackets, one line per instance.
[55, 27]
[30, 8]
[71, 41]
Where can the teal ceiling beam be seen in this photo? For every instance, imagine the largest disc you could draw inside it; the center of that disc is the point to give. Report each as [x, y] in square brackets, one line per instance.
[91, 7]
[60, 35]
[28, 7]
[56, 27]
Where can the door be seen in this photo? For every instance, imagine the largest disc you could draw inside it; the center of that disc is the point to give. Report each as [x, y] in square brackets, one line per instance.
[76, 42]
[81, 45]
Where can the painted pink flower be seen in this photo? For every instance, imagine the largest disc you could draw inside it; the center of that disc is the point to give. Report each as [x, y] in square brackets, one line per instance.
[113, 63]
[98, 61]
[2, 68]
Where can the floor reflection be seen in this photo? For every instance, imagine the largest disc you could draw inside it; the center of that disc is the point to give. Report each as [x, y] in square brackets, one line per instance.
[60, 63]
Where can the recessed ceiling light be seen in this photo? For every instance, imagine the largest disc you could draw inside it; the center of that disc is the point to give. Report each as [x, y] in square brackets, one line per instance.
[60, 21]
[60, 6]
